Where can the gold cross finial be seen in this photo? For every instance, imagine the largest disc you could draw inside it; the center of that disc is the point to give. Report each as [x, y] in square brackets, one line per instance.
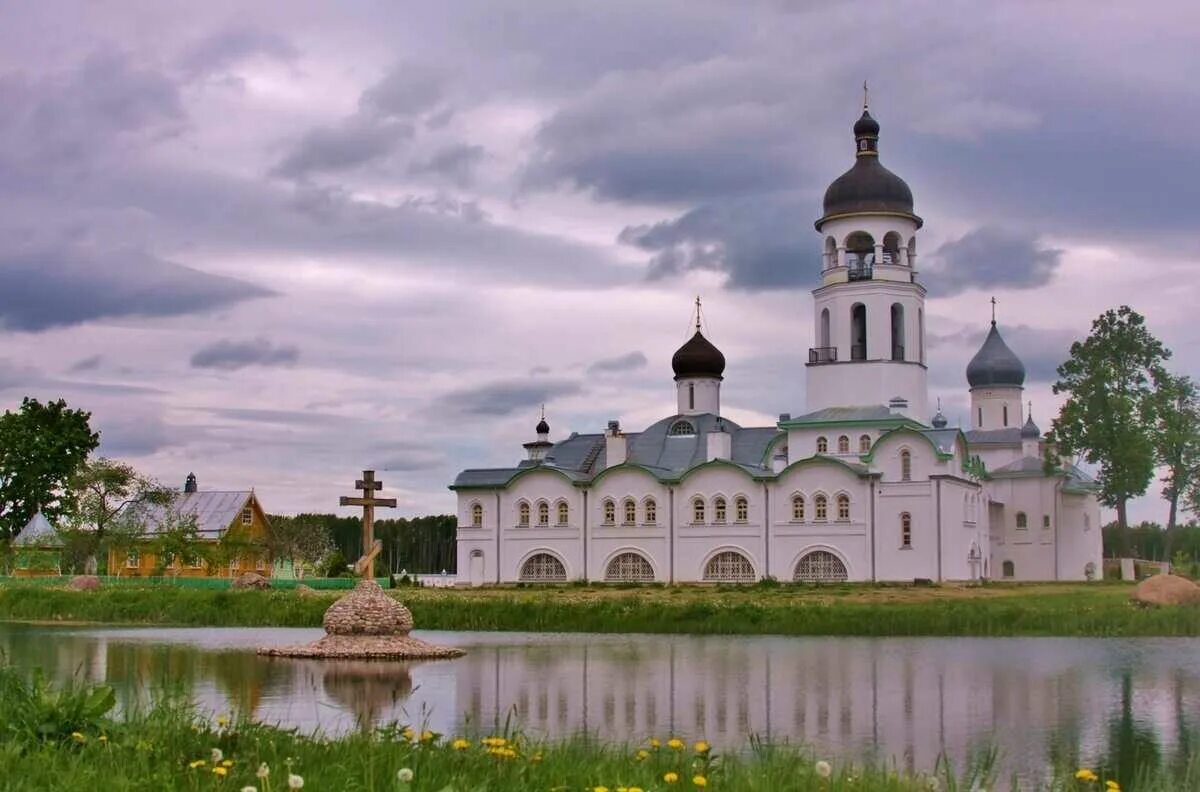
[993, 310]
[697, 313]
[864, 95]
[543, 412]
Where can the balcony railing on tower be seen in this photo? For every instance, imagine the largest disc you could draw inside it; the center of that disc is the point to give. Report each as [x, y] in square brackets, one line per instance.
[822, 355]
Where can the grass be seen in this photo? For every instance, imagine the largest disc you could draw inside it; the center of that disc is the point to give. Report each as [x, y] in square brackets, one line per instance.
[1043, 609]
[170, 747]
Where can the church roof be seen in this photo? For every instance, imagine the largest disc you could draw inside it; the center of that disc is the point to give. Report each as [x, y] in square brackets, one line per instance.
[38, 532]
[215, 511]
[943, 439]
[867, 187]
[859, 414]
[698, 358]
[995, 364]
[1008, 436]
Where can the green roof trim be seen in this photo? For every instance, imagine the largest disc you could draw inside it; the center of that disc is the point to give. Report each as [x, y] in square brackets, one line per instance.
[942, 456]
[817, 459]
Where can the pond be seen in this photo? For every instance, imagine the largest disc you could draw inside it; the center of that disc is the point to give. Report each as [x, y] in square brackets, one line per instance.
[901, 700]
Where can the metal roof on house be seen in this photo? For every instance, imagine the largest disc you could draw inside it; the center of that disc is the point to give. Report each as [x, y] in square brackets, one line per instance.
[38, 532]
[1025, 466]
[214, 510]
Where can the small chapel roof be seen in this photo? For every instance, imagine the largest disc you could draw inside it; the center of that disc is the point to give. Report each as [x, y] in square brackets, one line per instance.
[38, 532]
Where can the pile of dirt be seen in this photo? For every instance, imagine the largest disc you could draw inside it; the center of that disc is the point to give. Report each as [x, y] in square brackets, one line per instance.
[1166, 590]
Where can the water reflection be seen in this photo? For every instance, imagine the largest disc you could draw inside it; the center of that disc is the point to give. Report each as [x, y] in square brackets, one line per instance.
[1112, 703]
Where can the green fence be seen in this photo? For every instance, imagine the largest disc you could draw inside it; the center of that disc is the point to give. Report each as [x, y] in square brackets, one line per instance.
[191, 582]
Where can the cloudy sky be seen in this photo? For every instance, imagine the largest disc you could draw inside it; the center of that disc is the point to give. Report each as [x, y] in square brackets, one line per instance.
[277, 243]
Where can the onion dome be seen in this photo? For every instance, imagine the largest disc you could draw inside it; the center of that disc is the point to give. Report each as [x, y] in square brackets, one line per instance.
[698, 358]
[939, 421]
[868, 187]
[1030, 430]
[995, 365]
[542, 427]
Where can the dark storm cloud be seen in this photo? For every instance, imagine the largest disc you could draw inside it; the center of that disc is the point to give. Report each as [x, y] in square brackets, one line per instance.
[407, 90]
[226, 47]
[506, 398]
[757, 243]
[280, 417]
[136, 435]
[90, 363]
[990, 257]
[627, 362]
[351, 144]
[407, 457]
[232, 355]
[14, 375]
[57, 287]
[455, 163]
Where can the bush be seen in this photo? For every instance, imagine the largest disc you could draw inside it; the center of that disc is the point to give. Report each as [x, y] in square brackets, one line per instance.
[336, 566]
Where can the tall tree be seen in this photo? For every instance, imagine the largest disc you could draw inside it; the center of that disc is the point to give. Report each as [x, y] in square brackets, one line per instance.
[41, 448]
[98, 491]
[1177, 444]
[1109, 413]
[301, 540]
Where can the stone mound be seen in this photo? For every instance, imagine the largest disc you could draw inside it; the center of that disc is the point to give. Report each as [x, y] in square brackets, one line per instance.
[367, 611]
[1166, 590]
[84, 583]
[251, 580]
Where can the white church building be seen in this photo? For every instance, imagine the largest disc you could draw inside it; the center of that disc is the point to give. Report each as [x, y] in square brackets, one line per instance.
[860, 487]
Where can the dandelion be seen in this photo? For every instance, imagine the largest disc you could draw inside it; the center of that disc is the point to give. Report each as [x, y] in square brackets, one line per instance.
[671, 777]
[427, 736]
[77, 737]
[408, 733]
[227, 763]
[675, 744]
[655, 742]
[262, 772]
[223, 721]
[1112, 786]
[823, 768]
[1083, 774]
[635, 789]
[197, 763]
[102, 738]
[295, 781]
[220, 771]
[700, 781]
[643, 755]
[702, 747]
[405, 775]
[460, 744]
[536, 758]
[600, 789]
[217, 756]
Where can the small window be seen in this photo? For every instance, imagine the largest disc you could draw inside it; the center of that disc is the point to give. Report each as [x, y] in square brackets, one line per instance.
[698, 510]
[523, 513]
[651, 511]
[247, 516]
[133, 560]
[197, 562]
[905, 465]
[564, 513]
[1022, 520]
[610, 512]
[1046, 521]
[741, 509]
[234, 563]
[1005, 409]
[630, 511]
[1009, 569]
[843, 445]
[822, 445]
[980, 421]
[797, 508]
[476, 515]
[719, 510]
[260, 564]
[691, 396]
[843, 506]
[905, 529]
[682, 429]
[864, 444]
[543, 513]
[822, 507]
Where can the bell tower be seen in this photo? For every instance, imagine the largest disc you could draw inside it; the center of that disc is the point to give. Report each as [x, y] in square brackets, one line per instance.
[869, 309]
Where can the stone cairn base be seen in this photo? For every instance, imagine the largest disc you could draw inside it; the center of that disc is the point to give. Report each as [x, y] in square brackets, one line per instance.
[366, 624]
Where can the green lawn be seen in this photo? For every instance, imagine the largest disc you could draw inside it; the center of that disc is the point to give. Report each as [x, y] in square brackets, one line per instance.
[1067, 609]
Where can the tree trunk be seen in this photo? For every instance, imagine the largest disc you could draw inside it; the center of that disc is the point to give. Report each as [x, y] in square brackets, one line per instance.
[1172, 516]
[1122, 529]
[90, 565]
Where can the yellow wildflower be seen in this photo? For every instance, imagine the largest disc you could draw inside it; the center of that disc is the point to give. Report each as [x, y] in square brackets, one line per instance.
[702, 747]
[536, 758]
[1084, 774]
[675, 744]
[670, 777]
[655, 742]
[1112, 786]
[634, 789]
[643, 755]
[408, 733]
[223, 721]
[77, 737]
[227, 763]
[102, 738]
[700, 781]
[427, 736]
[460, 744]
[600, 789]
[221, 771]
[197, 763]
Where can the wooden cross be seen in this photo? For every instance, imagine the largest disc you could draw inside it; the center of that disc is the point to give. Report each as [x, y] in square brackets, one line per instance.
[368, 501]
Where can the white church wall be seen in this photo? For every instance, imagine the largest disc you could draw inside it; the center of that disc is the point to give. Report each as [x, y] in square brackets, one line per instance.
[518, 542]
[996, 408]
[1079, 537]
[648, 539]
[835, 385]
[996, 456]
[1030, 549]
[792, 539]
[476, 546]
[696, 542]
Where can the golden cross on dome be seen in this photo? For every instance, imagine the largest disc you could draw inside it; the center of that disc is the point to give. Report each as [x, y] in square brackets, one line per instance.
[697, 313]
[993, 310]
[864, 94]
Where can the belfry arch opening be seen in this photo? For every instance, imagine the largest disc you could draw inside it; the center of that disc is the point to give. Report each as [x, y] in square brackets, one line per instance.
[858, 332]
[830, 252]
[823, 339]
[897, 331]
[860, 255]
[891, 248]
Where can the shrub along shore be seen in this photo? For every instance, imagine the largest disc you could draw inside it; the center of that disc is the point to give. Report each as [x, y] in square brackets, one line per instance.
[1066, 609]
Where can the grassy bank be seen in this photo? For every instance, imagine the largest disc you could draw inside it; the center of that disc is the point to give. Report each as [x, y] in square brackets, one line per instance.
[56, 739]
[1097, 609]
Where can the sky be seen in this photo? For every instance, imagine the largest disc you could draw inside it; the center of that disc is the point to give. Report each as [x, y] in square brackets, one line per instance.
[278, 243]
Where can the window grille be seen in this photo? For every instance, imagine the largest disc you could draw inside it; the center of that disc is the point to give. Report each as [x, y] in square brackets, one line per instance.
[820, 566]
[822, 445]
[681, 428]
[133, 560]
[905, 465]
[729, 567]
[905, 529]
[543, 513]
[543, 568]
[864, 444]
[247, 516]
[698, 510]
[629, 568]
[1009, 569]
[477, 516]
[1022, 520]
[843, 445]
[630, 512]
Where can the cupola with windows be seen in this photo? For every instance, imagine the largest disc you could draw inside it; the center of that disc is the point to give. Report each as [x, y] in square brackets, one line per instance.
[997, 378]
[699, 368]
[538, 448]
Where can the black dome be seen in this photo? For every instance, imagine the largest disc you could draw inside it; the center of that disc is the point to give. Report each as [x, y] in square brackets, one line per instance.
[543, 427]
[868, 186]
[698, 358]
[995, 364]
[1030, 430]
[939, 420]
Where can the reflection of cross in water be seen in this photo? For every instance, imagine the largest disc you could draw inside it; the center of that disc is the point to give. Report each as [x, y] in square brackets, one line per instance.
[368, 501]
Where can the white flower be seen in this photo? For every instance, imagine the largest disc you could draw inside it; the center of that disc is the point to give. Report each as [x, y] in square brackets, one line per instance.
[934, 786]
[263, 771]
[405, 775]
[249, 789]
[217, 756]
[824, 769]
[295, 781]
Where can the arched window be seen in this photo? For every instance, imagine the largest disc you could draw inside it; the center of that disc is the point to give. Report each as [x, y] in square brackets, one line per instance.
[843, 506]
[824, 334]
[864, 444]
[630, 512]
[858, 332]
[476, 515]
[905, 465]
[905, 529]
[629, 568]
[860, 255]
[564, 513]
[897, 331]
[821, 505]
[891, 248]
[543, 568]
[718, 509]
[543, 513]
[523, 513]
[610, 511]
[843, 445]
[830, 252]
[1009, 569]
[741, 509]
[682, 429]
[697, 510]
[729, 567]
[819, 566]
[822, 445]
[980, 415]
[1046, 522]
[651, 511]
[1004, 409]
[691, 398]
[1022, 520]
[797, 508]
